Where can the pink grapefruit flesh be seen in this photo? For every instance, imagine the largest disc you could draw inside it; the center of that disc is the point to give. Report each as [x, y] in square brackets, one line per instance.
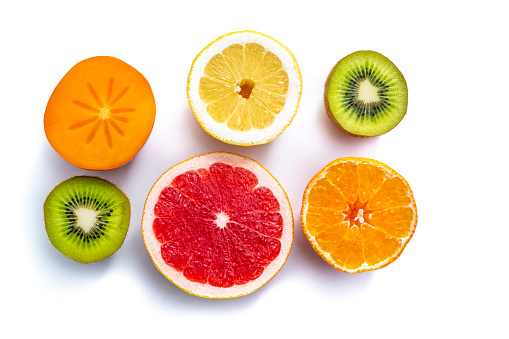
[218, 225]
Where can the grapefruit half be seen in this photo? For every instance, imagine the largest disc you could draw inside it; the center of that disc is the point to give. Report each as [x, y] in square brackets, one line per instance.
[218, 225]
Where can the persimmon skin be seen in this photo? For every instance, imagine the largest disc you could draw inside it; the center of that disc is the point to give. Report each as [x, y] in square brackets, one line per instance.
[100, 114]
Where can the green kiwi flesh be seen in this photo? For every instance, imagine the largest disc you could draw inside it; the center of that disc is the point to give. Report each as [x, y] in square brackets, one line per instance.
[366, 94]
[87, 218]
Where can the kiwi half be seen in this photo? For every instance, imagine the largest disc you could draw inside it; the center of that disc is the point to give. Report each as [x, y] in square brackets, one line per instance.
[87, 218]
[366, 94]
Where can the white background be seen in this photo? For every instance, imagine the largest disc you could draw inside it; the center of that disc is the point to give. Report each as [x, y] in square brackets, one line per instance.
[451, 147]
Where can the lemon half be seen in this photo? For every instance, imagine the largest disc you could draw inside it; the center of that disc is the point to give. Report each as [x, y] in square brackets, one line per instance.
[244, 88]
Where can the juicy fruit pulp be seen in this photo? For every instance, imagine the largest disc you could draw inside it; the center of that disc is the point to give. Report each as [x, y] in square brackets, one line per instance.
[87, 218]
[358, 214]
[244, 86]
[215, 226]
[100, 114]
[218, 226]
[365, 94]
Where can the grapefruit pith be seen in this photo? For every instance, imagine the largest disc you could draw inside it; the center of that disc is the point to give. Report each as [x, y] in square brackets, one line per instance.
[218, 225]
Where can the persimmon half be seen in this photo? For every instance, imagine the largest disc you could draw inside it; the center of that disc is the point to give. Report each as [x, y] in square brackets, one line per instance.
[100, 114]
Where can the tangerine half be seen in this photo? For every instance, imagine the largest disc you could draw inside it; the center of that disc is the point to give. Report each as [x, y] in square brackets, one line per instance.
[358, 214]
[100, 114]
[218, 225]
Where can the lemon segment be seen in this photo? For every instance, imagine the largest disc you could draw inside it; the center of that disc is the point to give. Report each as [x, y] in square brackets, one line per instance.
[221, 110]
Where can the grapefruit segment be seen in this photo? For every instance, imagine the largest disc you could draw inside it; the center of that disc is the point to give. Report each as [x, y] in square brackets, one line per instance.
[267, 223]
[218, 225]
[221, 270]
[263, 248]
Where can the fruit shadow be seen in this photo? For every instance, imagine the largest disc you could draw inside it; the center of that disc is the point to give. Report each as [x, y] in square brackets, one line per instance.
[304, 264]
[162, 292]
[202, 142]
[54, 268]
[346, 144]
[166, 295]
[330, 282]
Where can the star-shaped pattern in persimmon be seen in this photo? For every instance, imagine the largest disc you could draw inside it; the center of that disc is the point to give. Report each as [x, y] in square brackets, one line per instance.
[106, 115]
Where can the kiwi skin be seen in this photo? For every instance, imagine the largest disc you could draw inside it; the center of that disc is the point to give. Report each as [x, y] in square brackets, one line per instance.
[329, 111]
[114, 221]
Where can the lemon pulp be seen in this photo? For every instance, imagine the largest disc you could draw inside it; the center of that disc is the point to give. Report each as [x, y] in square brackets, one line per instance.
[244, 87]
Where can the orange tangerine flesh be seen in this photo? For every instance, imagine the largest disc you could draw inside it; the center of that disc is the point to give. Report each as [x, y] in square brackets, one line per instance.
[358, 214]
[100, 114]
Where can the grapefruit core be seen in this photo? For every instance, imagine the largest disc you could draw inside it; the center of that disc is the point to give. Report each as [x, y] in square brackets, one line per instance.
[218, 225]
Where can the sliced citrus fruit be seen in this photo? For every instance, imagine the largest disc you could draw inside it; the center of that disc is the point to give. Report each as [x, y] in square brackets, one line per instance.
[244, 88]
[358, 214]
[218, 225]
[100, 114]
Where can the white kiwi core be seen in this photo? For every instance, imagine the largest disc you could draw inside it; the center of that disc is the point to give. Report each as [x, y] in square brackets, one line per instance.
[86, 218]
[367, 92]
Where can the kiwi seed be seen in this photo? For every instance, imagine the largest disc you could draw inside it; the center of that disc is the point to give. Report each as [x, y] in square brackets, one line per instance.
[87, 218]
[365, 94]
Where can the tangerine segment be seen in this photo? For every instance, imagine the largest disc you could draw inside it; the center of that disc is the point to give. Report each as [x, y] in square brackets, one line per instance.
[349, 252]
[218, 225]
[370, 180]
[326, 195]
[395, 222]
[331, 236]
[394, 192]
[344, 177]
[100, 114]
[358, 214]
[320, 218]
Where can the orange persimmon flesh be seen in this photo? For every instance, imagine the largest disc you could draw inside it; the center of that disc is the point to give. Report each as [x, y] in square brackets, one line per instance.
[100, 114]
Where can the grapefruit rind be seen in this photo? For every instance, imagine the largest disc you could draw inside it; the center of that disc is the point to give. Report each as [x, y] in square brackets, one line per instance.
[265, 179]
[325, 255]
[254, 136]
